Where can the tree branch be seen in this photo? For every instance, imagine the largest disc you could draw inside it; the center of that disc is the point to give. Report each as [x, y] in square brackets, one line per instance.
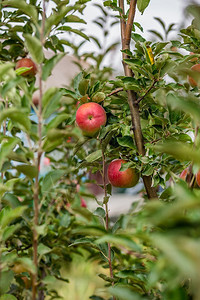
[115, 92]
[149, 89]
[129, 24]
[132, 97]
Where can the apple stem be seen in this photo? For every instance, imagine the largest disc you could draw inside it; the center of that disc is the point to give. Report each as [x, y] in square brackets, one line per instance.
[126, 28]
[39, 155]
[107, 216]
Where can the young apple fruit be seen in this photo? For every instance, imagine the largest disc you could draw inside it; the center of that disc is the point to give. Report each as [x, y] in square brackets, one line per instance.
[90, 117]
[122, 179]
[28, 63]
[191, 80]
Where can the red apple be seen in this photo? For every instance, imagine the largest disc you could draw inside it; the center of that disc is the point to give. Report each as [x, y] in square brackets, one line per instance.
[28, 63]
[184, 174]
[90, 117]
[122, 179]
[198, 178]
[196, 68]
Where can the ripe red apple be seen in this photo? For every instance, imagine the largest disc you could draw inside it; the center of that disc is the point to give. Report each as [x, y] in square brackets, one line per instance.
[90, 117]
[122, 179]
[198, 178]
[184, 174]
[28, 63]
[191, 80]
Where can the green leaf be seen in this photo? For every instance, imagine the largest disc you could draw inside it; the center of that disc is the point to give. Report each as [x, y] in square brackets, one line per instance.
[94, 156]
[55, 18]
[100, 212]
[179, 252]
[60, 133]
[8, 297]
[6, 147]
[27, 263]
[28, 170]
[123, 292]
[5, 281]
[11, 182]
[84, 241]
[8, 232]
[148, 170]
[74, 19]
[51, 179]
[22, 70]
[42, 249]
[83, 86]
[3, 189]
[119, 240]
[90, 230]
[34, 47]
[181, 151]
[26, 8]
[142, 5]
[126, 141]
[50, 101]
[98, 97]
[17, 115]
[189, 104]
[50, 64]
[77, 81]
[65, 220]
[48, 95]
[76, 31]
[8, 215]
[57, 120]
[4, 68]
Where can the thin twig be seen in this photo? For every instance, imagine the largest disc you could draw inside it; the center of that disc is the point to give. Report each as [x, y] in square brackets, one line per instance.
[146, 93]
[158, 139]
[115, 92]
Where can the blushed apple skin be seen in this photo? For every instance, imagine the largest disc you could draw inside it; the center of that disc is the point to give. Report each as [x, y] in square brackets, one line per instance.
[196, 68]
[198, 178]
[90, 117]
[184, 174]
[28, 63]
[122, 179]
